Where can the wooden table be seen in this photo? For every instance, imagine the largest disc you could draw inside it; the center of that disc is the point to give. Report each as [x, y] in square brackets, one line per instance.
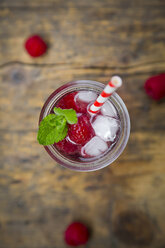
[123, 204]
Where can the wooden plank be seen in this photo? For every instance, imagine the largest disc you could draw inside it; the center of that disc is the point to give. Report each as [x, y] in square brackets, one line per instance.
[39, 198]
[35, 84]
[85, 3]
[123, 204]
[113, 35]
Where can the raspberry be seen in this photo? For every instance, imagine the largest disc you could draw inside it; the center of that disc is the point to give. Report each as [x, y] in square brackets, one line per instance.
[35, 46]
[81, 107]
[67, 102]
[155, 86]
[82, 131]
[76, 234]
[66, 147]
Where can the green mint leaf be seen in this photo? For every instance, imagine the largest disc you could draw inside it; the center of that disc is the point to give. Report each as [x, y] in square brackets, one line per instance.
[61, 134]
[56, 135]
[45, 128]
[52, 129]
[69, 114]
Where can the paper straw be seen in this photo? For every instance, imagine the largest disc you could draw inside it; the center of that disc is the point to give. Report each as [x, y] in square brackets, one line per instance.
[111, 87]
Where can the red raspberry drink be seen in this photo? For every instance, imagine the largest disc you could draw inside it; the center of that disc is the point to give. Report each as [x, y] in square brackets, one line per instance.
[96, 140]
[93, 134]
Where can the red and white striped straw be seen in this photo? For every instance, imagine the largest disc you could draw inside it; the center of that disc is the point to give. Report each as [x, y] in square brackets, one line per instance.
[114, 83]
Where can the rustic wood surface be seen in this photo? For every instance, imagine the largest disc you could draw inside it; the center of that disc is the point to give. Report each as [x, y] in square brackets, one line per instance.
[123, 204]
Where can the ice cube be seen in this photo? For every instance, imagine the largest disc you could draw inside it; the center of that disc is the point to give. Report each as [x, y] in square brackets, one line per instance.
[106, 127]
[94, 147]
[108, 109]
[86, 96]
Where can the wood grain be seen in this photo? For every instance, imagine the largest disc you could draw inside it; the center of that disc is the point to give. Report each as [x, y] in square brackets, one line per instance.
[109, 33]
[123, 204]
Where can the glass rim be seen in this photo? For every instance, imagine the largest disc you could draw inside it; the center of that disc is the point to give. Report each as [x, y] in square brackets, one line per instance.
[104, 160]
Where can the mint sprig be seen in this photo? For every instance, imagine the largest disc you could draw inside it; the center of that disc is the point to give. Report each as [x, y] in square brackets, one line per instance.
[69, 114]
[54, 128]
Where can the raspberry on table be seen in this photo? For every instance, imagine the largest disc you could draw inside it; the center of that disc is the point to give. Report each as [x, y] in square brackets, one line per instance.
[76, 234]
[35, 46]
[155, 86]
[82, 131]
